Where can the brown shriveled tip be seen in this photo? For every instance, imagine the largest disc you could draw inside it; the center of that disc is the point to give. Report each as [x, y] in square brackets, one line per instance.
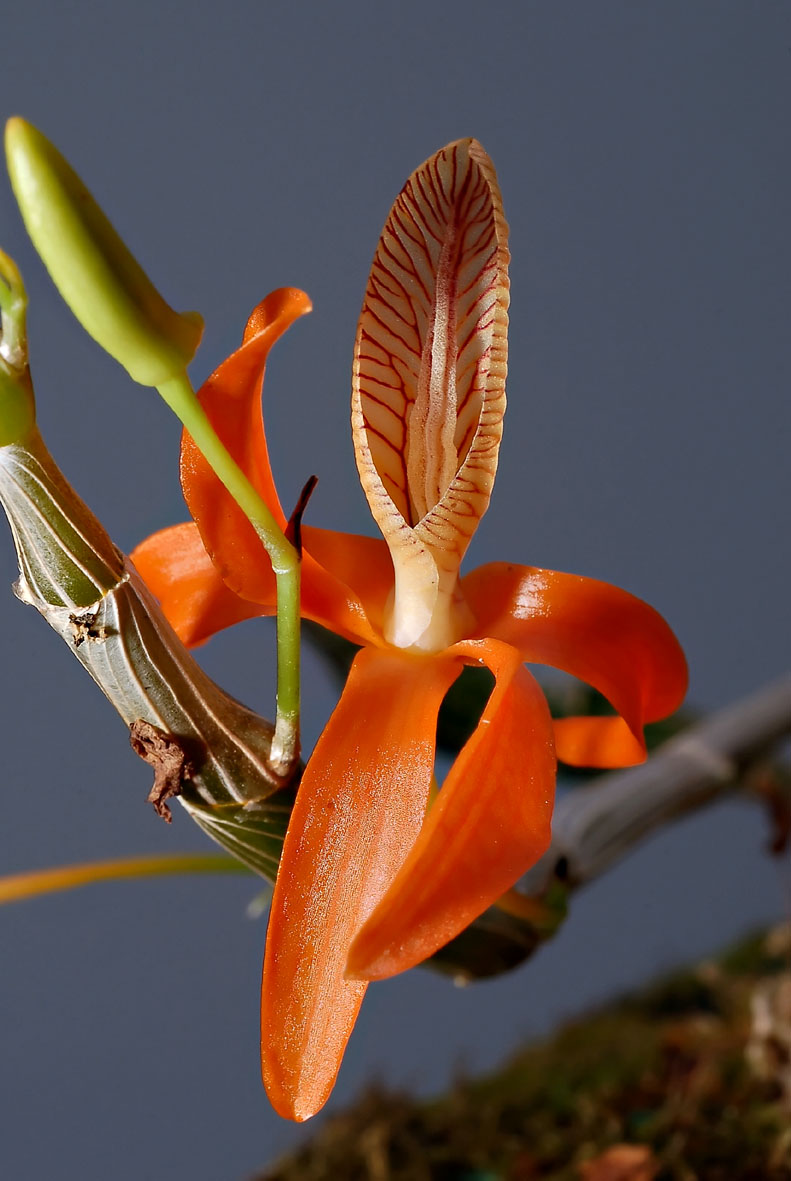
[167, 756]
[293, 529]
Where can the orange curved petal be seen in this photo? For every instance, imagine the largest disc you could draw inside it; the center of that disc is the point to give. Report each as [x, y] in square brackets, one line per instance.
[361, 564]
[231, 398]
[597, 742]
[489, 824]
[596, 632]
[346, 581]
[197, 603]
[176, 568]
[358, 811]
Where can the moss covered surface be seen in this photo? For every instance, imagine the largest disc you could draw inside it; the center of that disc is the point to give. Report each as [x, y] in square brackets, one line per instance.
[677, 1070]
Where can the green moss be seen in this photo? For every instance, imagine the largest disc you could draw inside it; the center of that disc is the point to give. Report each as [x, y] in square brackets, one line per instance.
[665, 1068]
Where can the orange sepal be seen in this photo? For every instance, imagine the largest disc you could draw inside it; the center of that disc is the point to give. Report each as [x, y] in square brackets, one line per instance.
[489, 824]
[197, 603]
[176, 568]
[347, 579]
[597, 742]
[358, 811]
[231, 398]
[596, 632]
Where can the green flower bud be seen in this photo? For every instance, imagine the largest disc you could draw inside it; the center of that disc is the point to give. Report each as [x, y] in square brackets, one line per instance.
[104, 286]
[17, 407]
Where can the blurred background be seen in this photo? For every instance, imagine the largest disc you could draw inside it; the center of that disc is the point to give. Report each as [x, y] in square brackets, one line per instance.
[643, 156]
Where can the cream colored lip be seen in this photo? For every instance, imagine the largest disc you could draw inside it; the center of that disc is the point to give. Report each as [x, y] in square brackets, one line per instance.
[428, 390]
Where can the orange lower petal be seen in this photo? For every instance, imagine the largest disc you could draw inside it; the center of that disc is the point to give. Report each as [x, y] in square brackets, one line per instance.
[196, 602]
[489, 824]
[359, 809]
[597, 742]
[596, 632]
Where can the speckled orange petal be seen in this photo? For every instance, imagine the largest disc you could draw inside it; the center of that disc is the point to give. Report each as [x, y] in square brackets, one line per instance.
[176, 568]
[358, 811]
[231, 398]
[596, 632]
[488, 825]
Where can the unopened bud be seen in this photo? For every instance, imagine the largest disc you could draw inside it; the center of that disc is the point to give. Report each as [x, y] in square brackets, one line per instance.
[102, 283]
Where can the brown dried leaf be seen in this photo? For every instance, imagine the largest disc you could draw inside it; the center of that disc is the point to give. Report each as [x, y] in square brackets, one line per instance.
[167, 756]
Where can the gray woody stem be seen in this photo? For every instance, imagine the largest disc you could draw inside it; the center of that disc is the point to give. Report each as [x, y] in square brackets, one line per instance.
[596, 825]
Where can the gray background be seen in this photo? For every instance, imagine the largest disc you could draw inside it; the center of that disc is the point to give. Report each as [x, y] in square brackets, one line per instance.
[642, 150]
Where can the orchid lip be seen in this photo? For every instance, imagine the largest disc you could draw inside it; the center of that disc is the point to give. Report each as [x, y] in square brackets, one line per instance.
[428, 391]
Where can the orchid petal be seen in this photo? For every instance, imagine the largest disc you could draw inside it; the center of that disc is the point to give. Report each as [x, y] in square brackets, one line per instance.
[489, 825]
[598, 742]
[428, 392]
[196, 602]
[358, 811]
[232, 400]
[347, 580]
[596, 632]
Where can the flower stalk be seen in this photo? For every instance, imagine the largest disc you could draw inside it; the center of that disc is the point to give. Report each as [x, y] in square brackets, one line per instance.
[181, 398]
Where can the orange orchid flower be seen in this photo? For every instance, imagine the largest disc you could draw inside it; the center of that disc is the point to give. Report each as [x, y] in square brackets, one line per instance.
[372, 881]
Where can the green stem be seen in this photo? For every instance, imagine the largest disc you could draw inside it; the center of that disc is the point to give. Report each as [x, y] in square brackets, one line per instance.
[180, 396]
